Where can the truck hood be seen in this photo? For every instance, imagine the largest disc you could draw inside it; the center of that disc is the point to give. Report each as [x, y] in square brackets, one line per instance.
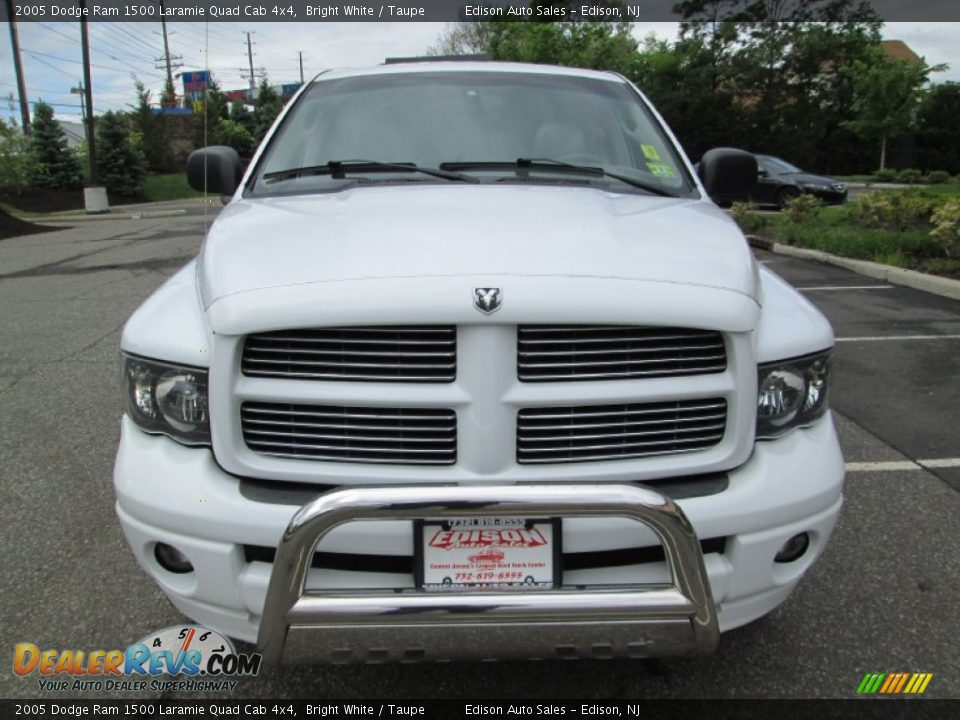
[410, 245]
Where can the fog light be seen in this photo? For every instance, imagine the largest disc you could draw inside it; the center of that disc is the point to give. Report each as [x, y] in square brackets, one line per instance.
[793, 548]
[172, 559]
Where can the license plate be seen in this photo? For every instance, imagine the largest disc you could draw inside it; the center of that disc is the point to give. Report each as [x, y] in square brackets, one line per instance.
[472, 553]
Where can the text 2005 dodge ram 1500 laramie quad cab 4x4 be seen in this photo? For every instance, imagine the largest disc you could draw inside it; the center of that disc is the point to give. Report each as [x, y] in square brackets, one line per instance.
[470, 366]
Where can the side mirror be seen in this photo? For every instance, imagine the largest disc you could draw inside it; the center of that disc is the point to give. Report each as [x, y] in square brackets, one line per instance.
[762, 173]
[728, 173]
[215, 169]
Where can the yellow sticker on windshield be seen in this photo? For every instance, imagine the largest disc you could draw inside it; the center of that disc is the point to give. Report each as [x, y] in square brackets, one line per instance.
[661, 170]
[650, 152]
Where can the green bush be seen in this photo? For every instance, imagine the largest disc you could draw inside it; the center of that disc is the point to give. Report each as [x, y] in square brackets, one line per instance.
[802, 208]
[946, 227]
[910, 176]
[885, 175]
[898, 210]
[232, 133]
[938, 177]
[745, 215]
[121, 164]
[53, 166]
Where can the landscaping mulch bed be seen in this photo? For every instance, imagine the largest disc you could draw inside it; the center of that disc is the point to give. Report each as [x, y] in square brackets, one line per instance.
[42, 200]
[12, 227]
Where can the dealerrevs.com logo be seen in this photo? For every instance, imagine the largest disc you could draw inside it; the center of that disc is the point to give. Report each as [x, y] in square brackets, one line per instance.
[206, 658]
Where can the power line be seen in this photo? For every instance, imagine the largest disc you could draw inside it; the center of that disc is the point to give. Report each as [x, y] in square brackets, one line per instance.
[100, 51]
[43, 91]
[34, 53]
[134, 48]
[48, 26]
[117, 48]
[52, 67]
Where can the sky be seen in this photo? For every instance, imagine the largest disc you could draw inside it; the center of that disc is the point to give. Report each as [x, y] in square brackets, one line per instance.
[119, 51]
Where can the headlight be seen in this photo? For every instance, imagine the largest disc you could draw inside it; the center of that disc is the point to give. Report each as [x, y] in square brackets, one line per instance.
[167, 399]
[792, 393]
[816, 187]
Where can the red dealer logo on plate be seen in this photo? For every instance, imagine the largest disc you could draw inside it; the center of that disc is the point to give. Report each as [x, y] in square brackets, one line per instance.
[456, 539]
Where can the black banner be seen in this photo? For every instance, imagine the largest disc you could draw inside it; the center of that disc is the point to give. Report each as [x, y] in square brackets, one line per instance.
[441, 10]
[862, 709]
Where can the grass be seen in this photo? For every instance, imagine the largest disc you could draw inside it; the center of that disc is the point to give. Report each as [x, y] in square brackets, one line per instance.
[173, 186]
[945, 190]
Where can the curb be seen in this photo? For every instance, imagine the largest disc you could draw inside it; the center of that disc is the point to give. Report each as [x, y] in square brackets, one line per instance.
[934, 284]
[135, 215]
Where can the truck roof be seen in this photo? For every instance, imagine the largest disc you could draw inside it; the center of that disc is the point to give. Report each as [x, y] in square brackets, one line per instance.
[420, 66]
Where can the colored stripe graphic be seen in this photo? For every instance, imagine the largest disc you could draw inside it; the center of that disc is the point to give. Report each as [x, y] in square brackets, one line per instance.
[894, 683]
[870, 683]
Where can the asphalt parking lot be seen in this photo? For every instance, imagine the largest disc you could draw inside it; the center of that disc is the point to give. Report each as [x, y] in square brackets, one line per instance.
[882, 599]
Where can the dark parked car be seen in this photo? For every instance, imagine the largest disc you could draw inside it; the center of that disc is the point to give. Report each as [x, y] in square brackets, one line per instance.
[779, 182]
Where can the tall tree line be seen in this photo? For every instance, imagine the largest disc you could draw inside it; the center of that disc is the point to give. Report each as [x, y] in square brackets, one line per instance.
[804, 80]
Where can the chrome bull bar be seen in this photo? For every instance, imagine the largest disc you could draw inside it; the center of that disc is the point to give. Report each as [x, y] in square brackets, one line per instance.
[300, 625]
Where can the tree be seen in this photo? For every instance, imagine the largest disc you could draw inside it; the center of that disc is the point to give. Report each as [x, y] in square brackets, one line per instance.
[599, 45]
[168, 98]
[887, 93]
[153, 135]
[215, 108]
[54, 165]
[938, 142]
[120, 161]
[16, 161]
[269, 104]
[240, 114]
[770, 69]
[462, 38]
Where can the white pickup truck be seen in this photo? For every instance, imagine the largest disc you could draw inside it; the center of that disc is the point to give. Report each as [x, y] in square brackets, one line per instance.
[470, 366]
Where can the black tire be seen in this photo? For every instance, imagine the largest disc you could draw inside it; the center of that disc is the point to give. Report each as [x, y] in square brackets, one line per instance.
[785, 195]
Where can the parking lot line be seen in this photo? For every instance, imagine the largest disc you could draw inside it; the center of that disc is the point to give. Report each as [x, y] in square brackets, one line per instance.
[941, 463]
[819, 288]
[899, 465]
[879, 338]
[889, 466]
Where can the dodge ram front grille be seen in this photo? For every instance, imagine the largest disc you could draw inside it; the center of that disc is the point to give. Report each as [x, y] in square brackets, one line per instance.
[555, 353]
[618, 432]
[372, 354]
[399, 436]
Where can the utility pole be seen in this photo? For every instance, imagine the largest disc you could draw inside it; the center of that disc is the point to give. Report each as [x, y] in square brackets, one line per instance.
[253, 81]
[166, 49]
[87, 85]
[18, 69]
[83, 103]
[301, 68]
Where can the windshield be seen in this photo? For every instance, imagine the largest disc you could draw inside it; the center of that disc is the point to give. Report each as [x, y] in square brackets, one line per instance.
[777, 166]
[483, 122]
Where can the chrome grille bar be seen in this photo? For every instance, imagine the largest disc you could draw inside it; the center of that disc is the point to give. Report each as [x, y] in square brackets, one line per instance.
[555, 435]
[372, 354]
[552, 353]
[400, 436]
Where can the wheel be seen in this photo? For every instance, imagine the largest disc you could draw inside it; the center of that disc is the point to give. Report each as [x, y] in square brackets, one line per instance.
[785, 195]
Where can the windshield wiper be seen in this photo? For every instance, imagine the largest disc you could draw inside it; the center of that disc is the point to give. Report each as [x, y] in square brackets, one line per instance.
[555, 165]
[337, 169]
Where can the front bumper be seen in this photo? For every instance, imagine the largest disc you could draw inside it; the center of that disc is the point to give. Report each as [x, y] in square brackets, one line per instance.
[313, 625]
[177, 495]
